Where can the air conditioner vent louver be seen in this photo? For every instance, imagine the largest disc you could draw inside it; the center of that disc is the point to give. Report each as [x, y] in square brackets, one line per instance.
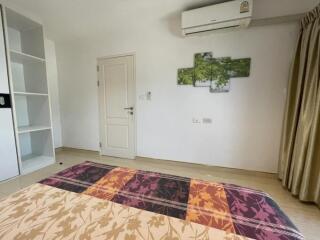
[204, 31]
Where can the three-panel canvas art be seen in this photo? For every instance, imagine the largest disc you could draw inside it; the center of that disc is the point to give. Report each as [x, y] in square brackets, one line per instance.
[214, 73]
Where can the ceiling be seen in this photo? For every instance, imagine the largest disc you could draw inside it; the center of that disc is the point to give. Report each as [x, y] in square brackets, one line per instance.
[70, 20]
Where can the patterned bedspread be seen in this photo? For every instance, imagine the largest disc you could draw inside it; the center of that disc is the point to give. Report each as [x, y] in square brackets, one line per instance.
[96, 201]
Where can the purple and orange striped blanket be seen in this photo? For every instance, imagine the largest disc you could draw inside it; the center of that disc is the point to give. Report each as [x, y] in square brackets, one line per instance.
[97, 201]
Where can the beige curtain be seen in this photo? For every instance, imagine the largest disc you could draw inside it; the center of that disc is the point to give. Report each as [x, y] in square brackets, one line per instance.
[299, 165]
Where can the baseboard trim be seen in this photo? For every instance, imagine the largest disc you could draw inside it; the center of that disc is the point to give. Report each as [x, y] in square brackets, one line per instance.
[59, 149]
[237, 171]
[179, 163]
[78, 150]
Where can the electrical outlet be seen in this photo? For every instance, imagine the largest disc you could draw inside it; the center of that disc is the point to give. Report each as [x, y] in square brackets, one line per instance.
[206, 120]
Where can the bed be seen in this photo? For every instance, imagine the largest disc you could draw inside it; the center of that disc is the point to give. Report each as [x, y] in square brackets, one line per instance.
[97, 201]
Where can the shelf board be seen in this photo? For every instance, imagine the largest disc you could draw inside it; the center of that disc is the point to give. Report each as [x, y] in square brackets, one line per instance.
[34, 162]
[20, 57]
[31, 94]
[28, 129]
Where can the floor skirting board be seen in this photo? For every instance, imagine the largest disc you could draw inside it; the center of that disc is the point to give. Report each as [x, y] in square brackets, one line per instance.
[79, 150]
[172, 163]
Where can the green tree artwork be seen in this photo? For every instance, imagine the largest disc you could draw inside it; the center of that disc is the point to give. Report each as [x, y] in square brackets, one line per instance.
[202, 69]
[240, 68]
[220, 75]
[185, 76]
[214, 73]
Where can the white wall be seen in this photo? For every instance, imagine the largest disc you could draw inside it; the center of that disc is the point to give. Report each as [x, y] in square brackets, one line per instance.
[246, 127]
[246, 122]
[52, 75]
[274, 8]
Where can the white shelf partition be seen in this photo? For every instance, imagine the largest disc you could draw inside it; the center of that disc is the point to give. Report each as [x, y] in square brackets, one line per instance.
[30, 94]
[33, 162]
[28, 129]
[28, 80]
[20, 57]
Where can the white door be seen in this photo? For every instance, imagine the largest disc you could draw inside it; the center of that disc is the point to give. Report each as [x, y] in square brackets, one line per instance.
[8, 154]
[117, 106]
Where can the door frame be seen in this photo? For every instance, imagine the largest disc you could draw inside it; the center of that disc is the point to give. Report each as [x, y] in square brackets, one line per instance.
[101, 121]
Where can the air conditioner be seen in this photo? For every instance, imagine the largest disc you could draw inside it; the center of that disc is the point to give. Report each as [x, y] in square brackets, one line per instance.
[227, 15]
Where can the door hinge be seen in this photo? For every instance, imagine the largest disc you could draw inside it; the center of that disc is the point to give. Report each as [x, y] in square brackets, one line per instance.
[100, 144]
[98, 68]
[98, 83]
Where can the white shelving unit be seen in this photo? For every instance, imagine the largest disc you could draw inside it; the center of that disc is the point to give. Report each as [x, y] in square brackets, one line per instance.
[31, 103]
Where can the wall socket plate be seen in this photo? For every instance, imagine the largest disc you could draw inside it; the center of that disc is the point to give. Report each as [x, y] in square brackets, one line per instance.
[206, 120]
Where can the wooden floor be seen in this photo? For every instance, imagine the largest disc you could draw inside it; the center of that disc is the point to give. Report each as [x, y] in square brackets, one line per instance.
[305, 216]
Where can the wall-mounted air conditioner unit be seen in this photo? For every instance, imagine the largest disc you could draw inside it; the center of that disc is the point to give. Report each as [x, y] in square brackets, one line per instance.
[227, 15]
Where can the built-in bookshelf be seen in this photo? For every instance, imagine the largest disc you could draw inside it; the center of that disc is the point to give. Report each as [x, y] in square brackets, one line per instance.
[31, 104]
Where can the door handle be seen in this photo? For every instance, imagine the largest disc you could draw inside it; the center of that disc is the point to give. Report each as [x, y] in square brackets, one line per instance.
[129, 108]
[2, 101]
[5, 101]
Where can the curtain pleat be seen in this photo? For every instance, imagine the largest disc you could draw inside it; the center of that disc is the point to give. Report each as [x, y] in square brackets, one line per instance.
[299, 165]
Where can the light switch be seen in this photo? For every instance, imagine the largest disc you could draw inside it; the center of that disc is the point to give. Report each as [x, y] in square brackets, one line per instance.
[146, 96]
[142, 97]
[149, 95]
[196, 121]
